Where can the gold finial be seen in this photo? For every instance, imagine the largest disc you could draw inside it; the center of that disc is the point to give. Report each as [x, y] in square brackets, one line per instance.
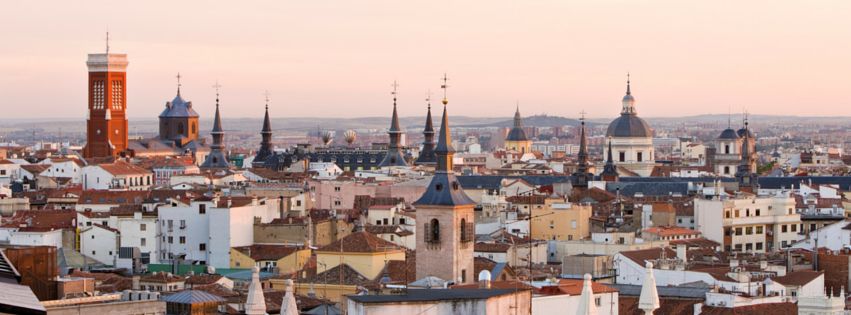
[444, 86]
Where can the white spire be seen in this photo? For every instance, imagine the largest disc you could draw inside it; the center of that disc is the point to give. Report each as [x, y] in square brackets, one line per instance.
[255, 304]
[288, 305]
[587, 306]
[649, 300]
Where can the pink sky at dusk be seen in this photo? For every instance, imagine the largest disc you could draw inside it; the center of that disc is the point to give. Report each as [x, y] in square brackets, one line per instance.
[339, 58]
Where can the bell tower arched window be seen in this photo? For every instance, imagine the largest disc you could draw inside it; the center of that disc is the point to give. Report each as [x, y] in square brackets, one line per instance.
[433, 231]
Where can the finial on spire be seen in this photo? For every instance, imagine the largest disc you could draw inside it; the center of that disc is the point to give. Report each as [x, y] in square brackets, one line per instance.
[628, 92]
[582, 116]
[178, 86]
[394, 85]
[107, 40]
[428, 98]
[267, 94]
[444, 86]
[215, 86]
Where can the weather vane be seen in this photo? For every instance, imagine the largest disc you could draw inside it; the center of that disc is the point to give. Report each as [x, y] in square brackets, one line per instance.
[178, 84]
[394, 85]
[267, 94]
[428, 98]
[215, 86]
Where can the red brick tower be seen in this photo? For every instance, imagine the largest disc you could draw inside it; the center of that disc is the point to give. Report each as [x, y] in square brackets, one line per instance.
[106, 130]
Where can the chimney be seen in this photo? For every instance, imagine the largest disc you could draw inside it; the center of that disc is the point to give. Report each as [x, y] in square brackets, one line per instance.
[484, 279]
[681, 253]
[763, 264]
[136, 285]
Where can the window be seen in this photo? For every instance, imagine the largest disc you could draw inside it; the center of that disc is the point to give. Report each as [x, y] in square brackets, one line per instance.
[759, 229]
[597, 301]
[758, 245]
[182, 224]
[727, 214]
[93, 253]
[180, 127]
[783, 228]
[143, 227]
[183, 240]
[749, 230]
[738, 247]
[171, 240]
[433, 234]
[727, 151]
[737, 213]
[738, 231]
[794, 227]
[639, 156]
[622, 156]
[747, 212]
[726, 170]
[202, 208]
[748, 246]
[463, 230]
[757, 212]
[143, 242]
[298, 203]
[202, 246]
[336, 188]
[463, 275]
[783, 244]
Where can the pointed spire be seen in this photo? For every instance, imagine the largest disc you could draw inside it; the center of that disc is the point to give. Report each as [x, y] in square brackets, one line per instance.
[288, 305]
[427, 154]
[217, 120]
[649, 298]
[518, 121]
[255, 303]
[587, 305]
[429, 126]
[444, 149]
[267, 124]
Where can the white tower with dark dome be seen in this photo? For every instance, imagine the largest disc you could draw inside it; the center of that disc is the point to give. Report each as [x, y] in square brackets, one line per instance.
[631, 139]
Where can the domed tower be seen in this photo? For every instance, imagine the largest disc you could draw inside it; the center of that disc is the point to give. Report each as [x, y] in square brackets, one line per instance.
[179, 121]
[516, 139]
[727, 152]
[631, 138]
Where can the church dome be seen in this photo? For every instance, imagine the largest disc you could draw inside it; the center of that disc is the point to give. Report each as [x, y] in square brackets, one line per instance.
[742, 132]
[516, 134]
[629, 125]
[728, 133]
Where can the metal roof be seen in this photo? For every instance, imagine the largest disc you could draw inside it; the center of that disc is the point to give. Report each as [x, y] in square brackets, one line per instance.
[192, 297]
[178, 108]
[648, 188]
[728, 133]
[663, 291]
[629, 125]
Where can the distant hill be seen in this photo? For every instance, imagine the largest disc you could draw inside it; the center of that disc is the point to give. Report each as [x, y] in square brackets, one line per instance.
[532, 121]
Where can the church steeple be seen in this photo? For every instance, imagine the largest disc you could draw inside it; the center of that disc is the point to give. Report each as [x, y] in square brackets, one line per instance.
[745, 173]
[445, 218]
[266, 133]
[427, 154]
[581, 177]
[216, 159]
[610, 171]
[394, 156]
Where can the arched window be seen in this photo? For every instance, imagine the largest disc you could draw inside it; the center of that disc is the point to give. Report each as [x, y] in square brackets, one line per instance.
[180, 128]
[463, 230]
[435, 230]
[193, 129]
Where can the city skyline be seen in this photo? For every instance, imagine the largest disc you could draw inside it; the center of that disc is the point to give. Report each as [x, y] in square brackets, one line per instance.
[339, 60]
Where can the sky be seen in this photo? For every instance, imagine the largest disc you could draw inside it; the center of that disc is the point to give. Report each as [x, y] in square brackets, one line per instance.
[339, 58]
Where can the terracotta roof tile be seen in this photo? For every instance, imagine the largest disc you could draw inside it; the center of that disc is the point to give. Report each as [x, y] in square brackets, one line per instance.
[798, 278]
[267, 251]
[361, 242]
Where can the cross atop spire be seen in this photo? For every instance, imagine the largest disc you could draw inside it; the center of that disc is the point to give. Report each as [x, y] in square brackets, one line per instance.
[428, 98]
[107, 40]
[582, 116]
[394, 86]
[267, 94]
[216, 86]
[178, 86]
[444, 86]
